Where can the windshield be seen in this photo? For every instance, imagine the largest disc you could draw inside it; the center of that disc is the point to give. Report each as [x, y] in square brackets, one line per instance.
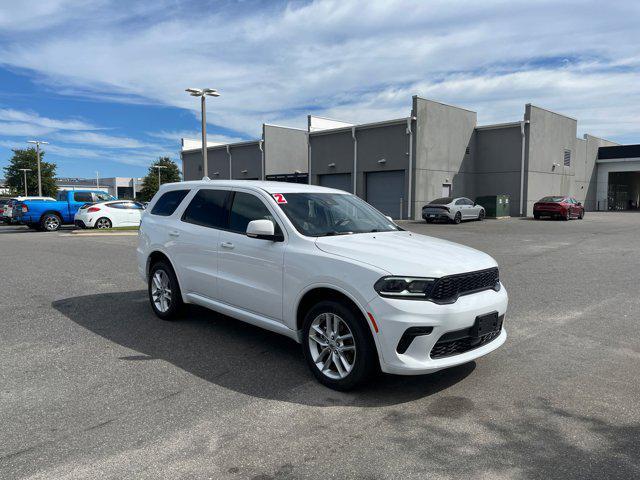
[441, 201]
[103, 197]
[552, 199]
[323, 214]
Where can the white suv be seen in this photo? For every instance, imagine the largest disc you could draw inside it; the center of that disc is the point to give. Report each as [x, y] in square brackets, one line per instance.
[326, 269]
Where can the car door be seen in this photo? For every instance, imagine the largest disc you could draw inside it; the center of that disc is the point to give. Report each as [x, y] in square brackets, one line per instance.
[462, 207]
[117, 212]
[250, 270]
[196, 236]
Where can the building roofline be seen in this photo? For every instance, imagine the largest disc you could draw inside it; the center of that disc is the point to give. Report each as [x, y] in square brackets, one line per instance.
[395, 121]
[550, 111]
[283, 126]
[445, 104]
[499, 125]
[224, 145]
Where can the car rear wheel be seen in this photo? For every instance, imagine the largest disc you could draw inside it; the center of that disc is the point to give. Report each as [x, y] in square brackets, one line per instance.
[50, 222]
[458, 218]
[567, 216]
[164, 292]
[103, 222]
[481, 215]
[581, 216]
[536, 216]
[337, 346]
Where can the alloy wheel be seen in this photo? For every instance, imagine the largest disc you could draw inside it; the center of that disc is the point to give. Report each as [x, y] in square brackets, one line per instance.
[332, 346]
[51, 223]
[103, 223]
[161, 291]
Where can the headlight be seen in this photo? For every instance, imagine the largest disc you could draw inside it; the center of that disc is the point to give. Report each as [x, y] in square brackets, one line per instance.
[404, 287]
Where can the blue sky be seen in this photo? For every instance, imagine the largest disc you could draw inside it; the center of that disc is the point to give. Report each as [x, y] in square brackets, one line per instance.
[103, 81]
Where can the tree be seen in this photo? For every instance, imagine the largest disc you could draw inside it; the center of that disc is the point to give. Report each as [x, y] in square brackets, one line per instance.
[27, 158]
[169, 174]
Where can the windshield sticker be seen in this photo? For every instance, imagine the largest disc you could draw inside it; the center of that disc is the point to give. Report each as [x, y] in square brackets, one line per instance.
[279, 198]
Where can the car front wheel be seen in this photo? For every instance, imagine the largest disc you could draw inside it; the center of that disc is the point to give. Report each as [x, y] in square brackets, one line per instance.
[337, 346]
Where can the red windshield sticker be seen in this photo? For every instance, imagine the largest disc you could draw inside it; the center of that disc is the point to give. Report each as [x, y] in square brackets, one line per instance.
[279, 198]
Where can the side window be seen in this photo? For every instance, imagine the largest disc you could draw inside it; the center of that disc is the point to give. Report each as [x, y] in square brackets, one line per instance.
[245, 208]
[120, 205]
[168, 202]
[136, 206]
[469, 202]
[82, 197]
[460, 201]
[208, 209]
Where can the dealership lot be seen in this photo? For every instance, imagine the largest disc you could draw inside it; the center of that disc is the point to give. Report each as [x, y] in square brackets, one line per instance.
[94, 386]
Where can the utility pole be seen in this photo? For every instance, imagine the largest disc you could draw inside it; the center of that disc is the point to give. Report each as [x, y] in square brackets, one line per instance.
[203, 93]
[25, 170]
[159, 167]
[38, 143]
[97, 179]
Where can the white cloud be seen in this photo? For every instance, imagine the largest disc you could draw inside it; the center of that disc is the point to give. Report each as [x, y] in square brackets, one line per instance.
[357, 60]
[32, 118]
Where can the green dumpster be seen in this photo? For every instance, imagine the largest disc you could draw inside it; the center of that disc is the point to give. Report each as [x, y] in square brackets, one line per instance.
[495, 206]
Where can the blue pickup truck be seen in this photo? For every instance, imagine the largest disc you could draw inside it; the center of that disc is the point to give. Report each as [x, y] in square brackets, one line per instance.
[51, 215]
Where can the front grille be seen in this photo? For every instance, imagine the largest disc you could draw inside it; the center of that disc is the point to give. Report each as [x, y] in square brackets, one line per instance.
[446, 347]
[448, 289]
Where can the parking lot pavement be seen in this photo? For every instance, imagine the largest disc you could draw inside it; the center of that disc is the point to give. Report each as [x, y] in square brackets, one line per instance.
[93, 386]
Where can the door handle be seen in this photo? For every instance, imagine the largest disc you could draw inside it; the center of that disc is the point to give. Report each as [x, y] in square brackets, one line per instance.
[174, 233]
[227, 245]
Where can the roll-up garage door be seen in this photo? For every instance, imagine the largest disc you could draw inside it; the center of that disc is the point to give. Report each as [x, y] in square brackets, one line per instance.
[341, 181]
[385, 191]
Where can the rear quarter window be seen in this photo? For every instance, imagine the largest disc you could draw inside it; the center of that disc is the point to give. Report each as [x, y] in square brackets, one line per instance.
[168, 202]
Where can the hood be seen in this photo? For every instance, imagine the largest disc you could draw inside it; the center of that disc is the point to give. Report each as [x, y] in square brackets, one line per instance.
[407, 253]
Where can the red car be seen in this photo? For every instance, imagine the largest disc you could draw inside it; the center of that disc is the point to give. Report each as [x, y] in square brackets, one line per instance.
[558, 206]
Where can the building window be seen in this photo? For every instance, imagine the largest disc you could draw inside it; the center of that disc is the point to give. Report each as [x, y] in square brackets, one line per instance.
[567, 158]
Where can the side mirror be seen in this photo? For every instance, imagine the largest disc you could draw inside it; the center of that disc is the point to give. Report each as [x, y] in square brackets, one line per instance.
[579, 204]
[264, 230]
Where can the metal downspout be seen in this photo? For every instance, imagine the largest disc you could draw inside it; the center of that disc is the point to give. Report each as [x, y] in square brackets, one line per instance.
[522, 155]
[261, 147]
[355, 160]
[230, 171]
[410, 185]
[308, 159]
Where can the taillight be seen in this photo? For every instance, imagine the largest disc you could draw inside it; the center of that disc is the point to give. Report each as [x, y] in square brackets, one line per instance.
[25, 209]
[93, 209]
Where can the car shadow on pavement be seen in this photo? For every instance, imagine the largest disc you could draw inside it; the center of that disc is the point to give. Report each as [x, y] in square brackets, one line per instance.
[235, 355]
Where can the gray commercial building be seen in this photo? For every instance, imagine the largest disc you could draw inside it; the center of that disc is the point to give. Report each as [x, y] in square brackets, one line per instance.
[280, 154]
[437, 150]
[119, 187]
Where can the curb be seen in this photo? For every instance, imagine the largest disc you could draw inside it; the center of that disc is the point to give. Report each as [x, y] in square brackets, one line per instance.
[82, 233]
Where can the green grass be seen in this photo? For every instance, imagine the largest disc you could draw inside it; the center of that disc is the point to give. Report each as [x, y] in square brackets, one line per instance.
[113, 229]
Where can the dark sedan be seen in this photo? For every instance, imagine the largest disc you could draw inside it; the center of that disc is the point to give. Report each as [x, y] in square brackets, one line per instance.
[558, 206]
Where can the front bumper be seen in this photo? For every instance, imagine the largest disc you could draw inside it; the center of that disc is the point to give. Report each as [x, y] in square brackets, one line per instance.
[394, 317]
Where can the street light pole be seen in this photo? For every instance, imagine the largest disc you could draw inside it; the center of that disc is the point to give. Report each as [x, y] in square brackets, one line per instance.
[25, 170]
[203, 93]
[159, 167]
[38, 143]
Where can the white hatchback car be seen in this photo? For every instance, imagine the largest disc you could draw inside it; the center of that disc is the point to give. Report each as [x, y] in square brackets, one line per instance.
[326, 269]
[114, 213]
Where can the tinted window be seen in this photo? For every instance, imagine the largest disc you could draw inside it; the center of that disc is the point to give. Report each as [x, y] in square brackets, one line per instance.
[245, 208]
[82, 197]
[168, 202]
[121, 205]
[207, 209]
[461, 202]
[136, 206]
[441, 201]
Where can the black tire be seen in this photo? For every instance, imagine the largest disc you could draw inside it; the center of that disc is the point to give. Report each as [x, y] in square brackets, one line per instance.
[581, 216]
[102, 223]
[50, 222]
[567, 217]
[536, 216]
[458, 218]
[428, 220]
[481, 215]
[365, 362]
[175, 306]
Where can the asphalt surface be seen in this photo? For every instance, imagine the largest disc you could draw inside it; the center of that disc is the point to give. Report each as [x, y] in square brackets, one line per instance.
[93, 386]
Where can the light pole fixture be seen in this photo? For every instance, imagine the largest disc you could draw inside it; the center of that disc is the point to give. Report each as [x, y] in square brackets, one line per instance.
[25, 170]
[38, 143]
[159, 167]
[203, 93]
